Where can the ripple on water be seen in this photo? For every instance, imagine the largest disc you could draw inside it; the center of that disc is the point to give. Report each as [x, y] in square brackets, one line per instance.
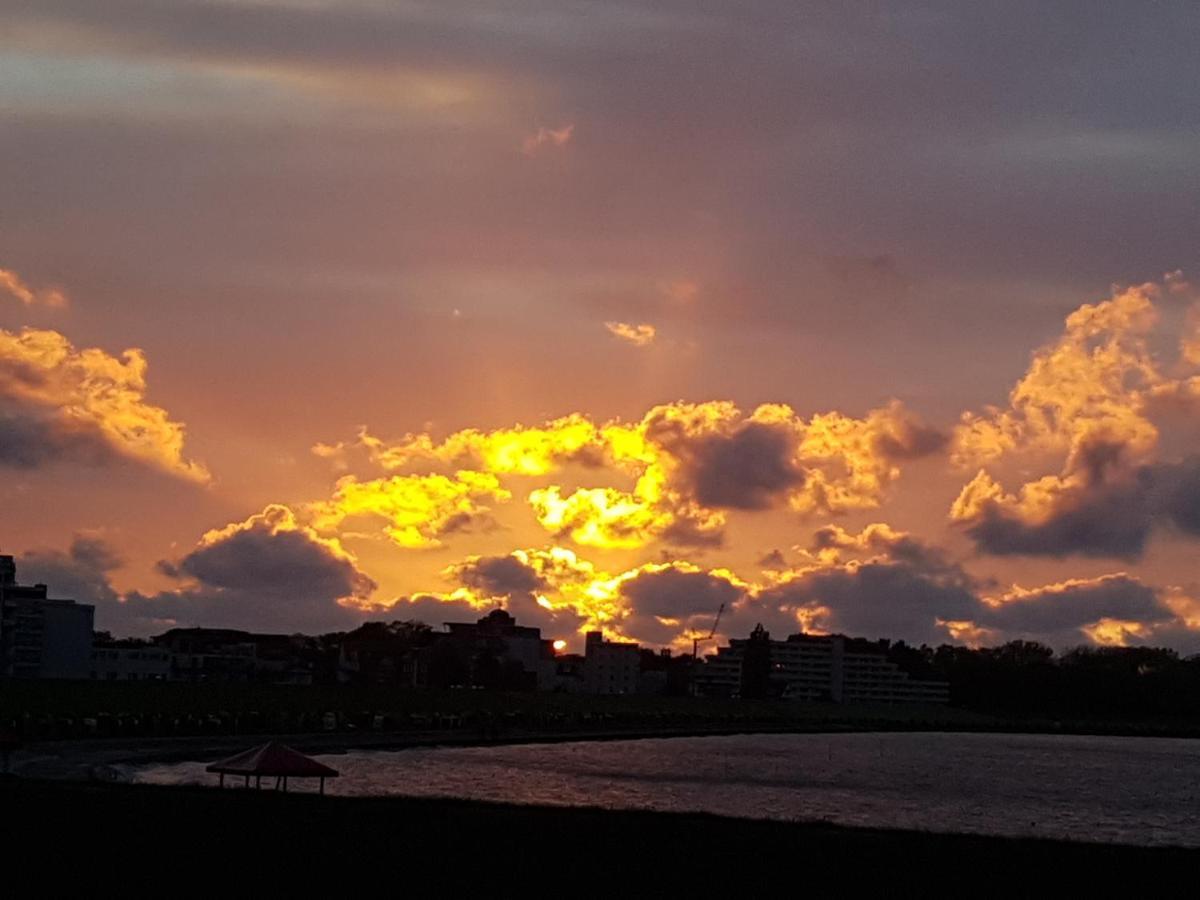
[1115, 789]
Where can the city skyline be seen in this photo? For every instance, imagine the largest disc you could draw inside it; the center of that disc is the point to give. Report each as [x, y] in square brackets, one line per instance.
[851, 320]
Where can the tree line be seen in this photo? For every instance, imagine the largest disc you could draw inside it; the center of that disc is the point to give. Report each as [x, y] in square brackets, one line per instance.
[1029, 678]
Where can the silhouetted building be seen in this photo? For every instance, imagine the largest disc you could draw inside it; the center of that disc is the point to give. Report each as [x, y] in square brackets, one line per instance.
[41, 637]
[494, 652]
[610, 667]
[129, 660]
[228, 655]
[381, 653]
[662, 673]
[813, 667]
[568, 673]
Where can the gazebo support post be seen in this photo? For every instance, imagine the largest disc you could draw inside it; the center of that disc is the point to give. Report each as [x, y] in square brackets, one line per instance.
[247, 781]
[221, 781]
[322, 789]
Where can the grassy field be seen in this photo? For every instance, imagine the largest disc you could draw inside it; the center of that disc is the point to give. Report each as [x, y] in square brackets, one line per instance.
[122, 838]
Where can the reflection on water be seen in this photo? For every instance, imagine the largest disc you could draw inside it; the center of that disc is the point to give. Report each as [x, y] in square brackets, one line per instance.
[1131, 790]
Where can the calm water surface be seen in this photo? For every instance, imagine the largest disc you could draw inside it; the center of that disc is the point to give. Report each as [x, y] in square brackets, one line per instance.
[1129, 790]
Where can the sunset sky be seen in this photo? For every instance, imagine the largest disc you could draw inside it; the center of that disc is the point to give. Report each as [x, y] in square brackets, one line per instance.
[852, 316]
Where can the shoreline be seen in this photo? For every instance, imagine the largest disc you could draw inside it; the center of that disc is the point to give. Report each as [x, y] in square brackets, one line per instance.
[96, 759]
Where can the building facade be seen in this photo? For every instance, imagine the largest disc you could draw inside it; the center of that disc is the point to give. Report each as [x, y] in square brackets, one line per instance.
[129, 661]
[498, 652]
[830, 668]
[610, 667]
[228, 655]
[41, 637]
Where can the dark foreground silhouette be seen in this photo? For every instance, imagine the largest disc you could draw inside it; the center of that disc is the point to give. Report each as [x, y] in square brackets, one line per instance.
[229, 842]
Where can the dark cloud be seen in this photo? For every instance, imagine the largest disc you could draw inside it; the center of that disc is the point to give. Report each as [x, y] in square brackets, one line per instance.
[747, 470]
[696, 535]
[265, 574]
[751, 467]
[905, 587]
[897, 598]
[1057, 612]
[1103, 514]
[908, 438]
[1112, 521]
[502, 576]
[690, 599]
[774, 559]
[881, 539]
[1175, 488]
[31, 440]
[81, 573]
[678, 593]
[284, 563]
[878, 598]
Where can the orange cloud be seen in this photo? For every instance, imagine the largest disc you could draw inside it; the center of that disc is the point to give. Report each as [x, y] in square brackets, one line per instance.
[418, 509]
[554, 580]
[1092, 382]
[688, 462]
[86, 401]
[1095, 397]
[11, 284]
[638, 335]
[1109, 632]
[506, 451]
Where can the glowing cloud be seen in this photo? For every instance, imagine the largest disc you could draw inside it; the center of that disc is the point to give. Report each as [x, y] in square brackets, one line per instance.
[418, 509]
[1090, 384]
[553, 579]
[688, 462]
[11, 284]
[507, 451]
[638, 335]
[606, 517]
[58, 401]
[1090, 397]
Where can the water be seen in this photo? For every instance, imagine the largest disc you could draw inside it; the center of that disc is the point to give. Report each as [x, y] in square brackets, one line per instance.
[1115, 789]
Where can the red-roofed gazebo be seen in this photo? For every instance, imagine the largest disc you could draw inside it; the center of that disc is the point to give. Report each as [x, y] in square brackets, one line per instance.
[272, 760]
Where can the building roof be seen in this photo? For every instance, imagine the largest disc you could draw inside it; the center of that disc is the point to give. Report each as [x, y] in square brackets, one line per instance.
[273, 759]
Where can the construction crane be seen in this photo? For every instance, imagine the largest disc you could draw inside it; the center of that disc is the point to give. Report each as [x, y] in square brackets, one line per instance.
[696, 639]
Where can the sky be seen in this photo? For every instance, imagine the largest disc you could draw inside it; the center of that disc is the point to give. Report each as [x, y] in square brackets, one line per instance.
[856, 317]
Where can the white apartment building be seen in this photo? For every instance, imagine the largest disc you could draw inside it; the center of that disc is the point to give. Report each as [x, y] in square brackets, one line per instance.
[818, 667]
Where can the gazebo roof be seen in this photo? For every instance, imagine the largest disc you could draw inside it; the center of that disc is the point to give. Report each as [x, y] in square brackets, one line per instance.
[273, 759]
